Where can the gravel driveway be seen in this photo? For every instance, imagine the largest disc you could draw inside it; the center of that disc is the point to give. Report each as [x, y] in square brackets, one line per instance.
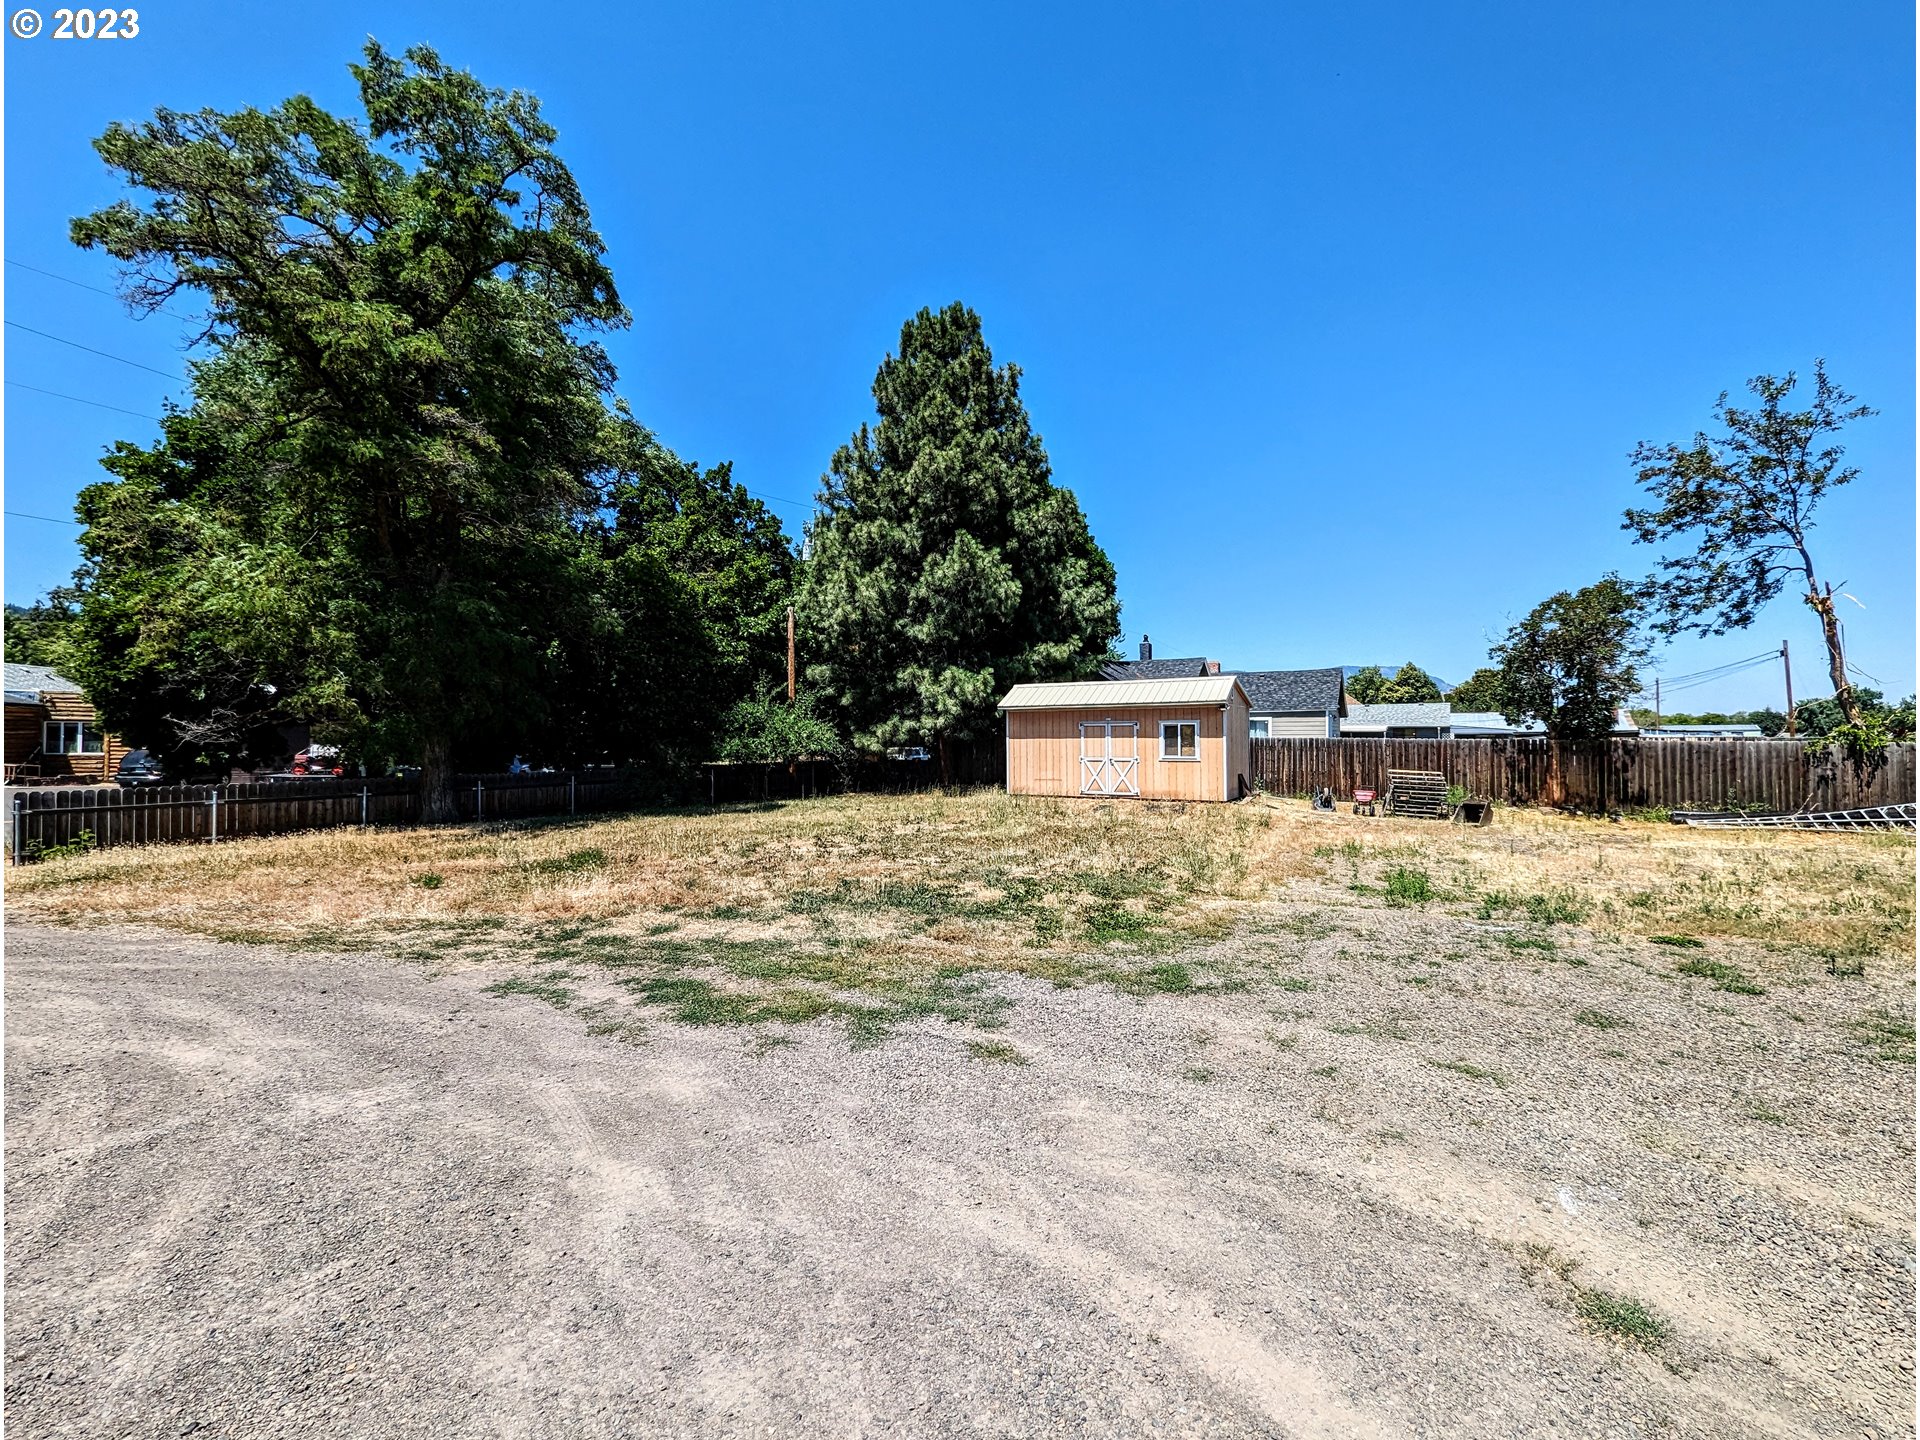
[255, 1193]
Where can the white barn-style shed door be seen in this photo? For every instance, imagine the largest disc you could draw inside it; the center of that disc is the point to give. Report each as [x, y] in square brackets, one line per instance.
[1110, 757]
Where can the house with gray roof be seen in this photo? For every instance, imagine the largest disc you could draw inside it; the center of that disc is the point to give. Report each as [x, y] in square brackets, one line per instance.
[1426, 721]
[51, 730]
[1295, 704]
[1192, 667]
[1491, 725]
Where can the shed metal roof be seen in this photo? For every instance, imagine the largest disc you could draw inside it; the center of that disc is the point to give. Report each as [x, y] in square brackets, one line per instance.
[1119, 694]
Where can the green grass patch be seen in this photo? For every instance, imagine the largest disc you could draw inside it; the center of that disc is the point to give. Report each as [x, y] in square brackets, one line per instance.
[545, 988]
[1552, 907]
[1888, 1035]
[996, 1050]
[428, 880]
[1678, 942]
[1388, 1029]
[1167, 979]
[1730, 978]
[1298, 984]
[1599, 1020]
[574, 862]
[1625, 1320]
[1529, 942]
[1111, 921]
[1471, 1071]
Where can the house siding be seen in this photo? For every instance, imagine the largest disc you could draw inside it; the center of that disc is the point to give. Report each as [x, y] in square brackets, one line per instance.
[25, 729]
[1306, 725]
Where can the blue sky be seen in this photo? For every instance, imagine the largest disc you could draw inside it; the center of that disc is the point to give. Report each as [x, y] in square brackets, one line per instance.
[1340, 321]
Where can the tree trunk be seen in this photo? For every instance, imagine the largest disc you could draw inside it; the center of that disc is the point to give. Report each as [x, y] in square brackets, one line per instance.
[438, 805]
[946, 763]
[1822, 603]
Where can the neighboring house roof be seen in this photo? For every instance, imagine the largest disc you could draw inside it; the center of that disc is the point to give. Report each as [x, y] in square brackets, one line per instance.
[37, 678]
[1154, 669]
[1288, 692]
[1623, 722]
[1429, 715]
[1115, 694]
[1493, 722]
[1740, 731]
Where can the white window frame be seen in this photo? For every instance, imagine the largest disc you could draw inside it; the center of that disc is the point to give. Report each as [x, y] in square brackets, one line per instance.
[1265, 732]
[1175, 758]
[53, 738]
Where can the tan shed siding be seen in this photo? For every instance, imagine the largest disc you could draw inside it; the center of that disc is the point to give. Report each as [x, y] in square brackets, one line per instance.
[1239, 746]
[1043, 751]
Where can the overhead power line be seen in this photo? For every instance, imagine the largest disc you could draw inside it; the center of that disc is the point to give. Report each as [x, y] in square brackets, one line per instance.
[50, 519]
[82, 285]
[22, 385]
[61, 340]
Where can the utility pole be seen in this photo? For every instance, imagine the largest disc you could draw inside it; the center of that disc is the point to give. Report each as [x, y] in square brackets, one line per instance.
[1787, 666]
[1656, 702]
[791, 691]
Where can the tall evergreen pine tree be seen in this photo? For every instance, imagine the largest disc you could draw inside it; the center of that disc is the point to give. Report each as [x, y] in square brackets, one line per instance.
[945, 564]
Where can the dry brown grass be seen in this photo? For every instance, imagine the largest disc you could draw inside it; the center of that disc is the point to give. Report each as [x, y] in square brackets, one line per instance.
[873, 894]
[944, 856]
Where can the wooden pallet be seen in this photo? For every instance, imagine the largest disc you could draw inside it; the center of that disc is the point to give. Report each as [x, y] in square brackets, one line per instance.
[1421, 793]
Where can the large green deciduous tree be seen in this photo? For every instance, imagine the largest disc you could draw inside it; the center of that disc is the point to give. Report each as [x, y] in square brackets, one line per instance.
[1745, 499]
[1573, 660]
[1408, 685]
[945, 564]
[409, 299]
[36, 634]
[1480, 691]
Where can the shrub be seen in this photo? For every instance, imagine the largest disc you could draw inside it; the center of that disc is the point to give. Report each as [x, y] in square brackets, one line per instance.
[81, 844]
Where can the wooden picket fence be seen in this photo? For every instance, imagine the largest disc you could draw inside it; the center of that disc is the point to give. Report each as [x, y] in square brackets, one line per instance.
[1619, 774]
[42, 818]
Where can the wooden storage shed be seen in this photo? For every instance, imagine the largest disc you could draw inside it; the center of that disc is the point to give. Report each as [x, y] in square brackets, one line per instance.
[1144, 739]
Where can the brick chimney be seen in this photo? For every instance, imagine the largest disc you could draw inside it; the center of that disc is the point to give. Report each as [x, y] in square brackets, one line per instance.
[1146, 647]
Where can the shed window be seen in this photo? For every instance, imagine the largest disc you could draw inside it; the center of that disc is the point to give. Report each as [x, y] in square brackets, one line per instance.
[1257, 729]
[69, 737]
[1179, 740]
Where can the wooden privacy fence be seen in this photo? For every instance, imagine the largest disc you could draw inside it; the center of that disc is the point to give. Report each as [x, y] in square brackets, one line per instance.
[41, 818]
[1616, 774]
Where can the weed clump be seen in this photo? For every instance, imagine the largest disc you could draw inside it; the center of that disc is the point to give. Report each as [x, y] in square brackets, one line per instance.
[1407, 886]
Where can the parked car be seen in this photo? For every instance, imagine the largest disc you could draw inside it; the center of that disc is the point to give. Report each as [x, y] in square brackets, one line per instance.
[137, 767]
